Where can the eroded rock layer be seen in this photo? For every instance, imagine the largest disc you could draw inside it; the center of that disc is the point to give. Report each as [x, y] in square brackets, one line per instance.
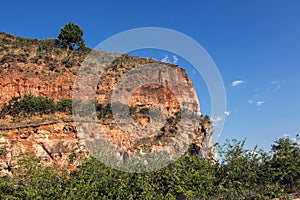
[39, 68]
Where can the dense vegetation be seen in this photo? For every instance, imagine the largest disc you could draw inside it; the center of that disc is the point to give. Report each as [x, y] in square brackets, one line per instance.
[29, 105]
[240, 174]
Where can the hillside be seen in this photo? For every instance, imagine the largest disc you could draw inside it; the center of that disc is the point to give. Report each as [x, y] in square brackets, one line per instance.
[39, 68]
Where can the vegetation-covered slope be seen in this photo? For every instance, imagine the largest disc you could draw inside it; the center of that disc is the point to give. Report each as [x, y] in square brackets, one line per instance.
[241, 174]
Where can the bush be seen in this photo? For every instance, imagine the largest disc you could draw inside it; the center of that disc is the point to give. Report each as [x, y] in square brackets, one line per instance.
[144, 111]
[64, 105]
[53, 68]
[68, 62]
[103, 111]
[285, 164]
[241, 174]
[28, 105]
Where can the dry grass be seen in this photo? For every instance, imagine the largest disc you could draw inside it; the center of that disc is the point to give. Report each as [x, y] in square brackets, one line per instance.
[11, 123]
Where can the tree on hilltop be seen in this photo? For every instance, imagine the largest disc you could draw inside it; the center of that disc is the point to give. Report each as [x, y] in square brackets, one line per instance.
[71, 34]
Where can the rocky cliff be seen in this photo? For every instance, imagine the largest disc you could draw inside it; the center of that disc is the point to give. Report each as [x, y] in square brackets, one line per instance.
[39, 68]
[53, 142]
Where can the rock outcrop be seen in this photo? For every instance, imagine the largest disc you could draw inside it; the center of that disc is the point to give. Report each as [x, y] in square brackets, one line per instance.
[53, 142]
[39, 68]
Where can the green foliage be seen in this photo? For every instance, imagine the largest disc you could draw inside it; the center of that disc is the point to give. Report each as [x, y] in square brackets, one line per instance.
[132, 110]
[52, 67]
[64, 105]
[71, 33]
[240, 174]
[9, 57]
[68, 62]
[285, 164]
[2, 152]
[105, 111]
[240, 170]
[27, 106]
[206, 118]
[34, 182]
[30, 105]
[144, 111]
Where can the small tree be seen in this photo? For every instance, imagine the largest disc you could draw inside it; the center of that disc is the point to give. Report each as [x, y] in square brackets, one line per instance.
[71, 33]
[285, 164]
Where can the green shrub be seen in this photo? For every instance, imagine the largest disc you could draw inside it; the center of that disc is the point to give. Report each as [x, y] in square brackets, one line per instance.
[7, 58]
[144, 111]
[68, 62]
[240, 174]
[285, 164]
[64, 105]
[103, 111]
[28, 105]
[53, 68]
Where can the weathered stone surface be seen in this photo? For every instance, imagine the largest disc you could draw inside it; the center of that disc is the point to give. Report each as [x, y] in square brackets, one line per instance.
[55, 147]
[49, 77]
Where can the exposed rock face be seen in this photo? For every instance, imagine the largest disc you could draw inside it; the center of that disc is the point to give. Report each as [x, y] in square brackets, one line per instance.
[53, 142]
[14, 83]
[37, 68]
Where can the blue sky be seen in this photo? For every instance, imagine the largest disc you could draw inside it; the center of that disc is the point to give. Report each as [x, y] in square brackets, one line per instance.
[255, 44]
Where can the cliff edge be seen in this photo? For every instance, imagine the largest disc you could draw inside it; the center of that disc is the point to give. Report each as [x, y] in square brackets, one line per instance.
[39, 68]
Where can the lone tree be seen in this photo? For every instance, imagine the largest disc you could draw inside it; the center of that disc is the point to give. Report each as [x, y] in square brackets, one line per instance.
[71, 34]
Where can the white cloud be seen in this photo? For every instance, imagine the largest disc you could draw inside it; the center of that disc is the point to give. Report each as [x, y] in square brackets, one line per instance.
[165, 59]
[227, 113]
[216, 119]
[236, 83]
[260, 103]
[286, 135]
[175, 60]
[276, 84]
[250, 101]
